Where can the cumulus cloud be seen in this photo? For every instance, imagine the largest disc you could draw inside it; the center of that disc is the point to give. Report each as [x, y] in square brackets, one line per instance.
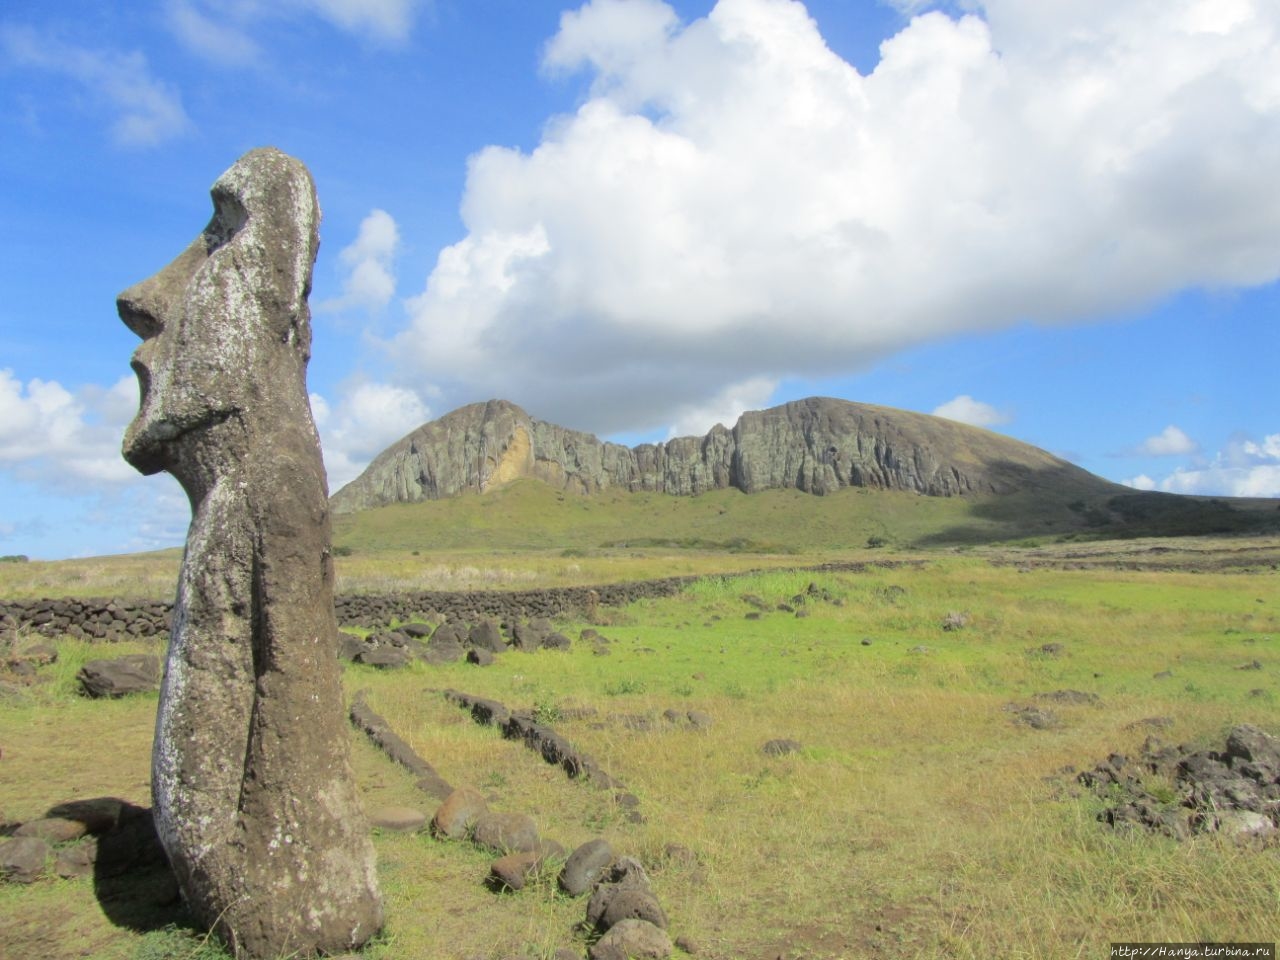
[723, 408]
[733, 201]
[60, 439]
[965, 409]
[370, 282]
[367, 418]
[1245, 468]
[1170, 442]
[147, 111]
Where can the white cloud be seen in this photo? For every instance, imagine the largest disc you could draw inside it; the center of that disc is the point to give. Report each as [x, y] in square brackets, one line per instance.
[733, 201]
[60, 439]
[368, 418]
[965, 409]
[388, 20]
[1170, 442]
[724, 408]
[370, 282]
[1140, 482]
[221, 42]
[147, 111]
[222, 30]
[1245, 468]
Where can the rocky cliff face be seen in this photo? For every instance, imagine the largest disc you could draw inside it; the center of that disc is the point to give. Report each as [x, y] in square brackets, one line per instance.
[817, 445]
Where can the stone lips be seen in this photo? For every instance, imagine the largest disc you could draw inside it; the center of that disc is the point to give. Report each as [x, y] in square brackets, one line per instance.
[817, 445]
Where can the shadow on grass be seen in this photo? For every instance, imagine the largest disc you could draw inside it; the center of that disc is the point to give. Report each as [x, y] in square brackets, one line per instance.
[132, 880]
[1065, 501]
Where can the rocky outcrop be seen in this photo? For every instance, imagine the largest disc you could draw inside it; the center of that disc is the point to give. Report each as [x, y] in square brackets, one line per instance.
[818, 445]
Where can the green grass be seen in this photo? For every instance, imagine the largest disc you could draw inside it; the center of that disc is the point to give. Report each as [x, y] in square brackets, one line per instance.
[918, 820]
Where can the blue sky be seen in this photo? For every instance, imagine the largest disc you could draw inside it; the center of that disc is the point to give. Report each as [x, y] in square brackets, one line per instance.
[1054, 218]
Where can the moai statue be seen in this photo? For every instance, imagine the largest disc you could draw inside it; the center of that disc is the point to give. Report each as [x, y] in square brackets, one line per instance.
[253, 793]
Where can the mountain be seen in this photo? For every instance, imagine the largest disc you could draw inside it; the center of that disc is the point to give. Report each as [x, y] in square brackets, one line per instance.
[817, 445]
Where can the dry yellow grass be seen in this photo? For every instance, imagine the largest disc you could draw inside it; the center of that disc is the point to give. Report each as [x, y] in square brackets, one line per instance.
[918, 821]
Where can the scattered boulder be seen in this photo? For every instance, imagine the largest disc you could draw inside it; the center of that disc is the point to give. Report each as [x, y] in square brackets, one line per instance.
[384, 656]
[584, 866]
[1070, 697]
[699, 719]
[632, 940]
[487, 635]
[459, 813]
[781, 747]
[1235, 792]
[52, 829]
[397, 819]
[121, 676]
[23, 859]
[505, 832]
[1028, 715]
[480, 656]
[513, 871]
[955, 620]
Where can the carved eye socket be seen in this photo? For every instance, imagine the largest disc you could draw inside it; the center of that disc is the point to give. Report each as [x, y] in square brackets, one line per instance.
[229, 218]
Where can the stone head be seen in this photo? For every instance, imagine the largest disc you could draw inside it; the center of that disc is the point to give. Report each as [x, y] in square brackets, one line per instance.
[227, 320]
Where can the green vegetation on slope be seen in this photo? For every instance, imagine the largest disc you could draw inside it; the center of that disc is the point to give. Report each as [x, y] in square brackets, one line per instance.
[529, 515]
[919, 820]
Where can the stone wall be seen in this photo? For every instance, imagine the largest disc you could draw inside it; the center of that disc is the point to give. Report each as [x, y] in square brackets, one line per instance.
[115, 619]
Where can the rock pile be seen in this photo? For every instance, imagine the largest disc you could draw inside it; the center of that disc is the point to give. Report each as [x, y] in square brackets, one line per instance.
[1179, 792]
[438, 641]
[102, 836]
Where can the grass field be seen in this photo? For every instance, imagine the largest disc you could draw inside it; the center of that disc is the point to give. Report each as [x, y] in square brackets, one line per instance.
[918, 820]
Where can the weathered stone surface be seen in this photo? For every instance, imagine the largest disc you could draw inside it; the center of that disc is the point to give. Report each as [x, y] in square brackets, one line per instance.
[398, 819]
[52, 829]
[22, 859]
[120, 676]
[817, 445]
[780, 747]
[632, 940]
[487, 635]
[459, 813]
[254, 797]
[513, 871]
[506, 832]
[584, 866]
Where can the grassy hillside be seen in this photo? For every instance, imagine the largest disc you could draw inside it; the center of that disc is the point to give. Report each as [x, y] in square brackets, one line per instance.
[529, 515]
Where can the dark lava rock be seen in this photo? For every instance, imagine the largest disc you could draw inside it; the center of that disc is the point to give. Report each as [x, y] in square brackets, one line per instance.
[136, 673]
[480, 656]
[487, 635]
[584, 866]
[781, 747]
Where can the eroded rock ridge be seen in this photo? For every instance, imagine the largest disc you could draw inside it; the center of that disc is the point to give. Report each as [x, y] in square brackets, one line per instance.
[817, 445]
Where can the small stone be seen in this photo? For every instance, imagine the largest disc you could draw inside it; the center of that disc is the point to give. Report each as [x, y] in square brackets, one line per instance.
[119, 677]
[397, 819]
[585, 866]
[506, 832]
[480, 656]
[689, 945]
[781, 747]
[52, 829]
[76, 860]
[632, 940]
[632, 902]
[22, 859]
[699, 719]
[98, 814]
[514, 870]
[459, 813]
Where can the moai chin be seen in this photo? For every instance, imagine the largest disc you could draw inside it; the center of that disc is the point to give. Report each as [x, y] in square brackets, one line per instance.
[253, 793]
